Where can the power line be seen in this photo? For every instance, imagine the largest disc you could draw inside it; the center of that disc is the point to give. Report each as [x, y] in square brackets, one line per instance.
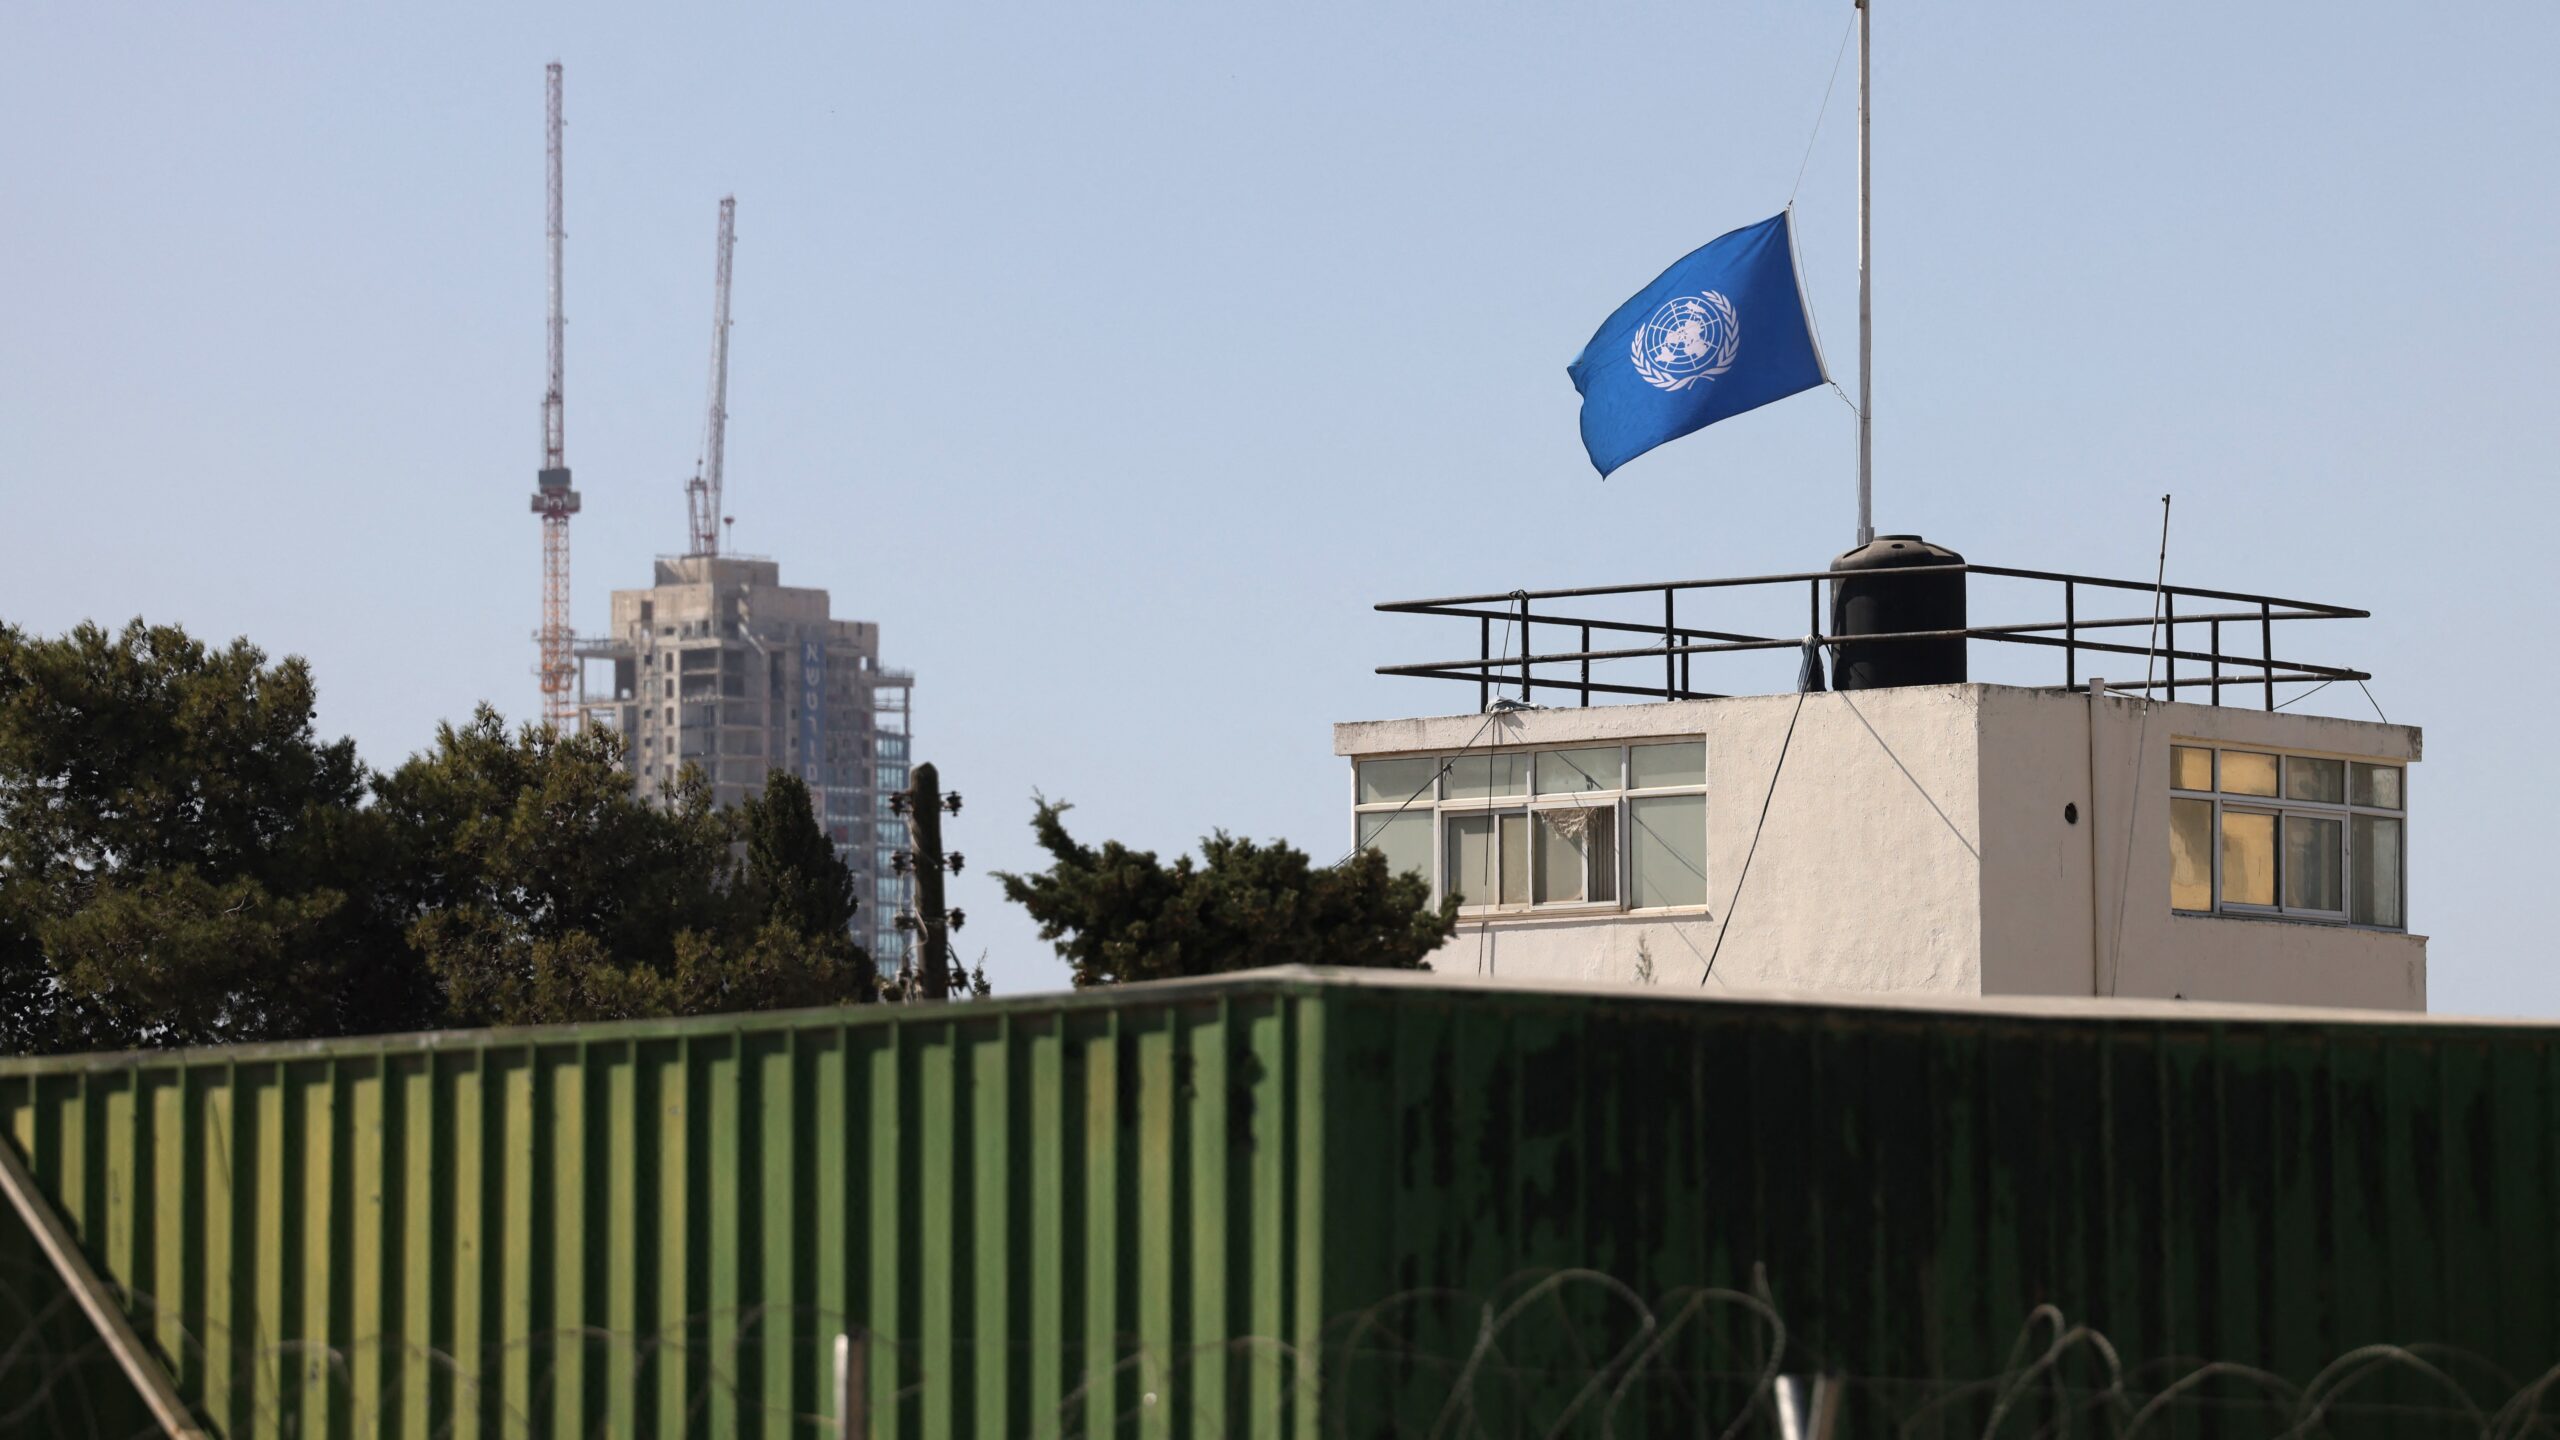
[1445, 766]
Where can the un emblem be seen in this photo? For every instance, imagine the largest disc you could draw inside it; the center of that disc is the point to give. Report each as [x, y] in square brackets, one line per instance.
[1691, 338]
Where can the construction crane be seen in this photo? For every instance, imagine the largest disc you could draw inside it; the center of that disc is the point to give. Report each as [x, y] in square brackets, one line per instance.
[702, 492]
[553, 500]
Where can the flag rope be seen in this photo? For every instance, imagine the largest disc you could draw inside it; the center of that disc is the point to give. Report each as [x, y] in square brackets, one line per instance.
[1818, 115]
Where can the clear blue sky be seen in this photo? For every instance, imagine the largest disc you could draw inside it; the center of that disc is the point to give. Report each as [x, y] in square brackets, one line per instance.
[1117, 362]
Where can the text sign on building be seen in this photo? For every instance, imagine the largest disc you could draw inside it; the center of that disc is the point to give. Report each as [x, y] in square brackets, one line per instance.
[813, 689]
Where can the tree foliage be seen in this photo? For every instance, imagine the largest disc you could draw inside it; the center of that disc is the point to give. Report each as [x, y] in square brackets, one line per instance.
[1117, 914]
[793, 876]
[184, 861]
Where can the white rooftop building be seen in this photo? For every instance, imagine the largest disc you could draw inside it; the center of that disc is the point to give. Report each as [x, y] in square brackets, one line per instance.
[1955, 838]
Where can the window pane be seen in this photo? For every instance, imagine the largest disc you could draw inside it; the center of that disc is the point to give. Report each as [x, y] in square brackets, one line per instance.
[1392, 782]
[2376, 892]
[2191, 854]
[1468, 869]
[1577, 855]
[1515, 859]
[1564, 847]
[2246, 774]
[2321, 780]
[2248, 857]
[1651, 767]
[1667, 843]
[2190, 768]
[1405, 839]
[2313, 878]
[1479, 777]
[1595, 768]
[2375, 785]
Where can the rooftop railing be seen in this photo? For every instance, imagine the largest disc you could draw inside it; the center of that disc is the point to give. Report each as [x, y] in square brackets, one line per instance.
[2174, 616]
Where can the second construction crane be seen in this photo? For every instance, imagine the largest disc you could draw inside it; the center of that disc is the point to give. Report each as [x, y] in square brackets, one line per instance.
[702, 492]
[553, 499]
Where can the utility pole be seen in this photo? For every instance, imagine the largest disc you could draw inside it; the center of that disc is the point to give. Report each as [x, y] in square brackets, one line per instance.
[553, 499]
[924, 805]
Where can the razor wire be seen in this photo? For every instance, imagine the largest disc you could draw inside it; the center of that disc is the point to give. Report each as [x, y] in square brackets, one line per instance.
[1557, 1353]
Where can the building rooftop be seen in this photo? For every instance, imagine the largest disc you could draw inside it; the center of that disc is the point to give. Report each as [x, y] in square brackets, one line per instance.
[1694, 639]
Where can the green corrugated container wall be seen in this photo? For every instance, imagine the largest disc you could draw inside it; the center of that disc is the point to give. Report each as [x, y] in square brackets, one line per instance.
[1295, 1204]
[659, 1229]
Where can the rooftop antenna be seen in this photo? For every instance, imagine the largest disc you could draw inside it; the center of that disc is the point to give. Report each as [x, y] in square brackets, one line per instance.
[702, 492]
[2159, 585]
[553, 499]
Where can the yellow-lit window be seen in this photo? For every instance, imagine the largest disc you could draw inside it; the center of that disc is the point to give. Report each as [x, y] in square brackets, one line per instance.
[2310, 836]
[2248, 858]
[2191, 854]
[2247, 773]
[2190, 768]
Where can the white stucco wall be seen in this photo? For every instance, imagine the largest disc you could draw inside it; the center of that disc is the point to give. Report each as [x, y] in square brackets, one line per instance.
[2158, 953]
[2036, 877]
[1917, 842]
[1865, 877]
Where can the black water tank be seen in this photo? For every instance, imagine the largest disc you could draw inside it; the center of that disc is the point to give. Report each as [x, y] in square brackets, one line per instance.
[1866, 603]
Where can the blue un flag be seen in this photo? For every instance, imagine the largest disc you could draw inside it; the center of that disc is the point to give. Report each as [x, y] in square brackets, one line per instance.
[1720, 332]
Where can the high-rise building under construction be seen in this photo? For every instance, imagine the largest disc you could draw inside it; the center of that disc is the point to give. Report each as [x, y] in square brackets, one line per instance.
[721, 665]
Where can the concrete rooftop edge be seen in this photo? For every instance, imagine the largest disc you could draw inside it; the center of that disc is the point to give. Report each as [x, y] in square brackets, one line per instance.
[1649, 719]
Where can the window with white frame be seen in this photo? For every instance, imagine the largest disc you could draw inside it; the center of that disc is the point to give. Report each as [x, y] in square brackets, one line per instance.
[1570, 828]
[2316, 837]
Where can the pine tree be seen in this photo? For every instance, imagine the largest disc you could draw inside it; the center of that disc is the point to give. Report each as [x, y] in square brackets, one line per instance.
[792, 869]
[548, 891]
[1117, 914]
[182, 859]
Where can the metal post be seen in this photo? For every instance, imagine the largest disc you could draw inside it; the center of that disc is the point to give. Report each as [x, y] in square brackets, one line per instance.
[1524, 647]
[1866, 309]
[99, 1302]
[1586, 665]
[2217, 662]
[2070, 636]
[851, 1368]
[2169, 617]
[1808, 1407]
[2267, 648]
[1667, 642]
[1484, 669]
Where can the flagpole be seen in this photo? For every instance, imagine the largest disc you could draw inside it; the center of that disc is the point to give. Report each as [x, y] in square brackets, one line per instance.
[1866, 314]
